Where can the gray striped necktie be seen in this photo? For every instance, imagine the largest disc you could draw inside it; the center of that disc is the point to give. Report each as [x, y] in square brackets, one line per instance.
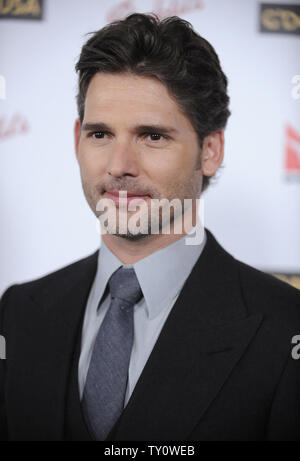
[105, 386]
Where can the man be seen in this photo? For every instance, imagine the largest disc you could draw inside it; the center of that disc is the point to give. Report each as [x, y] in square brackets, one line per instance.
[150, 338]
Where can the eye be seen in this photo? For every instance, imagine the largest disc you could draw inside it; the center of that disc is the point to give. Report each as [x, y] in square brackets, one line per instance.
[155, 136]
[97, 134]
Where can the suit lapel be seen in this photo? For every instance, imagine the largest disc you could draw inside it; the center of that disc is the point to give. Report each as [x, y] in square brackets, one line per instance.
[202, 340]
[47, 350]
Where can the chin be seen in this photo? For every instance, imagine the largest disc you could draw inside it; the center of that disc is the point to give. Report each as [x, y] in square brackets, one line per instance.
[131, 237]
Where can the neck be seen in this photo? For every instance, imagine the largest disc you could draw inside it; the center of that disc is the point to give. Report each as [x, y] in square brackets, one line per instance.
[130, 252]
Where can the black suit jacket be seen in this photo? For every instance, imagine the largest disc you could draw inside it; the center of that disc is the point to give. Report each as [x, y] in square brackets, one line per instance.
[221, 368]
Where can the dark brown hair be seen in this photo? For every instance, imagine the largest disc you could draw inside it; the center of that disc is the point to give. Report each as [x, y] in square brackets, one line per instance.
[169, 50]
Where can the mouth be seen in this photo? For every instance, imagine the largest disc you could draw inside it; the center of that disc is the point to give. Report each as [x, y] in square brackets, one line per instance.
[124, 197]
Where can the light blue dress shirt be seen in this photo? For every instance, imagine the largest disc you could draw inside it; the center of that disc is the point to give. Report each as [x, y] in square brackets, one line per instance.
[161, 276]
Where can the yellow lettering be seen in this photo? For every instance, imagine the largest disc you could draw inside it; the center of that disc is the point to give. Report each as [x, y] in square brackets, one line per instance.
[35, 7]
[269, 19]
[6, 6]
[292, 280]
[20, 8]
[290, 20]
[273, 19]
[30, 7]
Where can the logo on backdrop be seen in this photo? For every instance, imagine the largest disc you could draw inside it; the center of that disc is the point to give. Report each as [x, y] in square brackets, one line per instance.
[2, 87]
[21, 9]
[292, 279]
[162, 8]
[280, 18]
[292, 153]
[12, 127]
[295, 93]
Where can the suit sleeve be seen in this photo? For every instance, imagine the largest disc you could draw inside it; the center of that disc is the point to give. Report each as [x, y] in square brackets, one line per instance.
[3, 420]
[284, 422]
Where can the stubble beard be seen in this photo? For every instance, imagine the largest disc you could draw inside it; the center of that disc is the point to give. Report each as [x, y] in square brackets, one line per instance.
[189, 190]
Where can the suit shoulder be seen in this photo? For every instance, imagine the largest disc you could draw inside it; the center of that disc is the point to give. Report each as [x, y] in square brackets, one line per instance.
[52, 279]
[267, 291]
[255, 283]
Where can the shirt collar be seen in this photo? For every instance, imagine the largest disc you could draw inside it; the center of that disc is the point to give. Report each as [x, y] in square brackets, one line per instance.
[161, 275]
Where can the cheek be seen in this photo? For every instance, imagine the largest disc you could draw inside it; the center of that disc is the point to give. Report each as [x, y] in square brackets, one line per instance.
[90, 162]
[169, 167]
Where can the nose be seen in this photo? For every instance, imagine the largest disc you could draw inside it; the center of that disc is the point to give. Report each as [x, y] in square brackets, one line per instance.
[122, 160]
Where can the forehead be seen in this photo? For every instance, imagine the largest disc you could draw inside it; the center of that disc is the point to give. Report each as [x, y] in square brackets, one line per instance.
[119, 94]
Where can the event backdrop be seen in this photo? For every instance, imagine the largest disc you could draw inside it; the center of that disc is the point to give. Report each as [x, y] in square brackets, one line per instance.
[253, 208]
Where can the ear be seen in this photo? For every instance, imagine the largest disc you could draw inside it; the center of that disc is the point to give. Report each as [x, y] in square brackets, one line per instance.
[212, 153]
[77, 131]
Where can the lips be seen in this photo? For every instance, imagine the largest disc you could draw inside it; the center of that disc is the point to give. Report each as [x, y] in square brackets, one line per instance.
[122, 198]
[129, 193]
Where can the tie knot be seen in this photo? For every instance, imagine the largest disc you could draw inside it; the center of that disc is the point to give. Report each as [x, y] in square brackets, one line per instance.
[124, 285]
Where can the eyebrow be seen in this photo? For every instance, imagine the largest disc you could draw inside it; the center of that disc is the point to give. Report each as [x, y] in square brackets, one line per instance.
[139, 129]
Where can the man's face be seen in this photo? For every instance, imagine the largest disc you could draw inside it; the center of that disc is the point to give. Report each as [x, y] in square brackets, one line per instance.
[135, 138]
